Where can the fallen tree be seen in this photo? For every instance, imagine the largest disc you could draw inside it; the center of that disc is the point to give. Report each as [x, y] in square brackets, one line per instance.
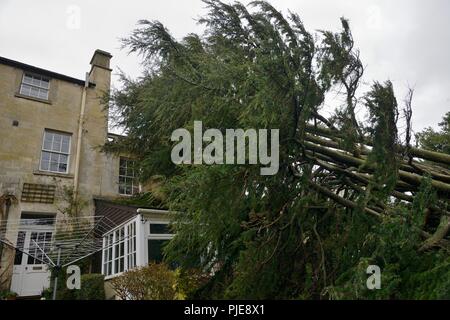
[349, 192]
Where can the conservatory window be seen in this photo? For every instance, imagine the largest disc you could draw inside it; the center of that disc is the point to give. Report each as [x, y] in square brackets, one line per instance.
[131, 247]
[159, 235]
[119, 250]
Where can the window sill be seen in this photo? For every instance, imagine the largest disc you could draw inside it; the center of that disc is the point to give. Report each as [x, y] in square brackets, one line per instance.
[18, 95]
[54, 174]
[112, 276]
[126, 195]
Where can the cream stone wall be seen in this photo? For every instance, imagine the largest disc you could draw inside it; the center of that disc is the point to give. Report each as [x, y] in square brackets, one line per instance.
[20, 146]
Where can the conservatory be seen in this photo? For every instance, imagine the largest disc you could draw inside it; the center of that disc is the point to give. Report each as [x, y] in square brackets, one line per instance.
[135, 242]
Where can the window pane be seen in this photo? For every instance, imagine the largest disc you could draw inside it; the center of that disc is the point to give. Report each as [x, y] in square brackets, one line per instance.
[27, 79]
[159, 228]
[155, 253]
[43, 94]
[45, 156]
[128, 189]
[45, 84]
[65, 144]
[19, 246]
[36, 81]
[54, 165]
[34, 92]
[25, 89]
[122, 249]
[62, 167]
[63, 158]
[121, 264]
[54, 157]
[57, 140]
[45, 165]
[48, 141]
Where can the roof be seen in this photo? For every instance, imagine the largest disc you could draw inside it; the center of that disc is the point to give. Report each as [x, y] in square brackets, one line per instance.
[117, 213]
[44, 72]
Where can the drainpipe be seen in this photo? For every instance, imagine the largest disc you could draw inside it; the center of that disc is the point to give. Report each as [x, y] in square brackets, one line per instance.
[80, 136]
[4, 220]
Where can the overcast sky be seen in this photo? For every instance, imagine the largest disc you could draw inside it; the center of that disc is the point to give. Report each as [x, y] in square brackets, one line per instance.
[406, 41]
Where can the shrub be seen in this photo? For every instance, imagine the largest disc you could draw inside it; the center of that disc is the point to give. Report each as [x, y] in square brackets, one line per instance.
[189, 281]
[153, 282]
[92, 287]
[7, 295]
[62, 293]
[47, 294]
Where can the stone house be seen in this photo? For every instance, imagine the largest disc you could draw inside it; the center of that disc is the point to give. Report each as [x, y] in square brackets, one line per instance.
[51, 129]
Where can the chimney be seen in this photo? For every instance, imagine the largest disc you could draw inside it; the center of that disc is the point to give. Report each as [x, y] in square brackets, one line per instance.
[100, 73]
[101, 59]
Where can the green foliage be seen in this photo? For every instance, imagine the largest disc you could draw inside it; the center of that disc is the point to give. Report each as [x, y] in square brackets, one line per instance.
[146, 199]
[153, 282]
[341, 66]
[268, 236]
[92, 287]
[71, 204]
[438, 141]
[62, 292]
[7, 295]
[393, 245]
[188, 282]
[382, 107]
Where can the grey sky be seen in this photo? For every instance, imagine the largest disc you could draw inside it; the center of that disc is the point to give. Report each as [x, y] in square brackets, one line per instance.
[406, 41]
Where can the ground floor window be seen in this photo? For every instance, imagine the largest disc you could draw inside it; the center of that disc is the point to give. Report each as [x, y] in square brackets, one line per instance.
[155, 250]
[119, 249]
[159, 235]
[125, 247]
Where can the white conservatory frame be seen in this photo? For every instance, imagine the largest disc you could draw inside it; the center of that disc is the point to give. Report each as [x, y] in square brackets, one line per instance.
[133, 235]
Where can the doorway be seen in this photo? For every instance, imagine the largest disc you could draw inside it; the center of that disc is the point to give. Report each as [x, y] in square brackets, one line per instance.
[31, 274]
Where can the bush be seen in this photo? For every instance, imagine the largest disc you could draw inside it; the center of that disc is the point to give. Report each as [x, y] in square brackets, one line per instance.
[153, 282]
[189, 281]
[92, 287]
[47, 294]
[7, 295]
[62, 293]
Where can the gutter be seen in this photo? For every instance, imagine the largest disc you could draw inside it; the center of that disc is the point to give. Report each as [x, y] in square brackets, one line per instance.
[44, 72]
[153, 211]
[80, 136]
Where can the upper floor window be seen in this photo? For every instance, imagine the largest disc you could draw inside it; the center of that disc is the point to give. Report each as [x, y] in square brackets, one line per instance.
[35, 86]
[128, 184]
[55, 152]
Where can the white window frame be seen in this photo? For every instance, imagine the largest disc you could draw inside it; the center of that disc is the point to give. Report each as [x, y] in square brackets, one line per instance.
[55, 152]
[140, 250]
[155, 236]
[38, 87]
[134, 184]
[110, 261]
